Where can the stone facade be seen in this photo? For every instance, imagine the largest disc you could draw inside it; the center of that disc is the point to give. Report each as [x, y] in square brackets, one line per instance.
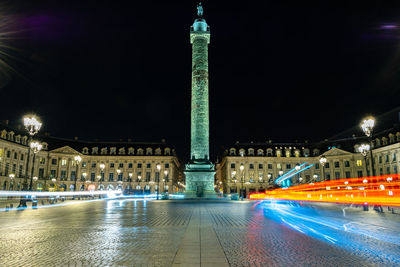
[262, 162]
[127, 165]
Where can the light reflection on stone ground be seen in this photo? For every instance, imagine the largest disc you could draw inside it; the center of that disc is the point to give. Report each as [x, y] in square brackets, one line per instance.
[137, 233]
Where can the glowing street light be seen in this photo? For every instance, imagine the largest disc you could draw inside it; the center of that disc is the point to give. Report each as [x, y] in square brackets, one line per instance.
[367, 126]
[158, 166]
[322, 161]
[36, 147]
[363, 149]
[77, 160]
[242, 179]
[32, 125]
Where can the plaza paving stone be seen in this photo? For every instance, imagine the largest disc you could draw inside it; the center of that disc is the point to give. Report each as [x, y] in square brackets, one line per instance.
[163, 233]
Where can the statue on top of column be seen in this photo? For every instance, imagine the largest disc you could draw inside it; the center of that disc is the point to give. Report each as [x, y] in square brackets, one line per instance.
[199, 10]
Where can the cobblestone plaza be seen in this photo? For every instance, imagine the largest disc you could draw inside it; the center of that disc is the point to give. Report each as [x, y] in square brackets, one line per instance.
[167, 233]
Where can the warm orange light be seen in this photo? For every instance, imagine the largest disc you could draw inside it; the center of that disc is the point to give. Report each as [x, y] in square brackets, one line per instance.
[379, 190]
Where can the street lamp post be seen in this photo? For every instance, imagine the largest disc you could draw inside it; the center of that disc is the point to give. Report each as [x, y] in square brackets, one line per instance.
[323, 161]
[158, 180]
[165, 178]
[36, 147]
[77, 160]
[367, 126]
[298, 174]
[32, 125]
[242, 178]
[11, 176]
[102, 166]
[364, 148]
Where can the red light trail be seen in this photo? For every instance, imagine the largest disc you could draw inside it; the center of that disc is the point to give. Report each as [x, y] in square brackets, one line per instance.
[378, 190]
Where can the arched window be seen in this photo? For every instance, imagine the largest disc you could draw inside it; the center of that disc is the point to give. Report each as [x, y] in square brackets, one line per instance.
[288, 153]
[95, 150]
[131, 151]
[269, 152]
[315, 152]
[232, 151]
[297, 153]
[113, 150]
[85, 150]
[306, 152]
[149, 151]
[140, 151]
[260, 152]
[241, 152]
[158, 151]
[251, 151]
[121, 151]
[3, 134]
[167, 151]
[103, 151]
[278, 153]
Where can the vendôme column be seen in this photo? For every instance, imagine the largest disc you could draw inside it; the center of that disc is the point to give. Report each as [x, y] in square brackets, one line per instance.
[199, 171]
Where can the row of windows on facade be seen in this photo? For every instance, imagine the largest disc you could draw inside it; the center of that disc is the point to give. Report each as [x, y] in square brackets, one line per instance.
[111, 165]
[293, 151]
[389, 170]
[120, 177]
[270, 152]
[122, 151]
[347, 164]
[307, 177]
[10, 136]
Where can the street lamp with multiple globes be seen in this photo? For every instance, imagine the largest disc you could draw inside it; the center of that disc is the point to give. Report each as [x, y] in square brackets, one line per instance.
[77, 160]
[32, 125]
[242, 179]
[36, 147]
[158, 180]
[367, 126]
[322, 161]
[363, 149]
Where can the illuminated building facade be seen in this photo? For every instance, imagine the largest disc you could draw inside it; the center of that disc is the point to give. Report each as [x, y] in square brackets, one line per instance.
[138, 167]
[263, 163]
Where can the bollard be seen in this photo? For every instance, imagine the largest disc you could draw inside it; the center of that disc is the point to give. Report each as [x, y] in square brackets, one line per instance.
[365, 207]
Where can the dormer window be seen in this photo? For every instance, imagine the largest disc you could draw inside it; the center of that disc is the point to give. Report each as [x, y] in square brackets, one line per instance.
[131, 151]
[232, 152]
[251, 151]
[158, 151]
[278, 153]
[260, 152]
[45, 146]
[149, 151]
[103, 151]
[85, 150]
[306, 152]
[241, 152]
[95, 150]
[140, 151]
[18, 139]
[10, 136]
[113, 150]
[315, 152]
[167, 151]
[269, 152]
[24, 140]
[3, 134]
[121, 151]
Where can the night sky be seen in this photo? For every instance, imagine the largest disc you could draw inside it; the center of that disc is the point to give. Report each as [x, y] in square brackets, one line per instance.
[284, 71]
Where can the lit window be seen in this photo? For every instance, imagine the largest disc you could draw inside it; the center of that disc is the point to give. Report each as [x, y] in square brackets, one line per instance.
[359, 162]
[63, 162]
